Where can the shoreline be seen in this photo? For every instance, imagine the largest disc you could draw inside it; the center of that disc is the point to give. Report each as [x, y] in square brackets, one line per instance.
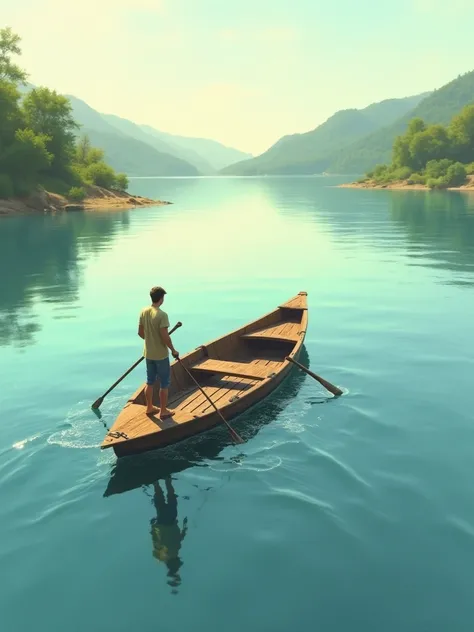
[98, 199]
[402, 185]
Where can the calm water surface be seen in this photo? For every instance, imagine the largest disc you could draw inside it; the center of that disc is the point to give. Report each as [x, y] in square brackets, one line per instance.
[348, 514]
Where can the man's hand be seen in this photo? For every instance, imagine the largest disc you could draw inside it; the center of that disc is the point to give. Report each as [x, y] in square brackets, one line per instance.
[175, 353]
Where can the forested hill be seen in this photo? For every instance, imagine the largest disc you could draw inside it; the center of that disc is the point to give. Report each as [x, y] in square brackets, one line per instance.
[355, 141]
[439, 107]
[312, 151]
[436, 156]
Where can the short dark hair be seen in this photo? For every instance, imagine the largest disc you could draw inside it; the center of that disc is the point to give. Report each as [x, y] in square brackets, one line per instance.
[157, 293]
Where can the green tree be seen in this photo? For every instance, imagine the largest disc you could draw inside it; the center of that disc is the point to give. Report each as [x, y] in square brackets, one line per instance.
[401, 156]
[26, 158]
[10, 114]
[431, 144]
[83, 147]
[461, 130]
[415, 126]
[48, 113]
[10, 45]
[86, 154]
[121, 182]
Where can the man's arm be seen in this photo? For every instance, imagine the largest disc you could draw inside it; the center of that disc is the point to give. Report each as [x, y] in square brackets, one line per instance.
[167, 340]
[141, 331]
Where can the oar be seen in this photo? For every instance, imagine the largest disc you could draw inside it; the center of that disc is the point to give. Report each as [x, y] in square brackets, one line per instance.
[330, 387]
[233, 433]
[99, 401]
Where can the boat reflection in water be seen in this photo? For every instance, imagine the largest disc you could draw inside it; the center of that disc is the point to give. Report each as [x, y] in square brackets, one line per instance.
[153, 471]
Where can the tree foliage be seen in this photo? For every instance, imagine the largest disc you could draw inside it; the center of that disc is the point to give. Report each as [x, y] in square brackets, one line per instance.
[38, 142]
[49, 113]
[437, 155]
[10, 45]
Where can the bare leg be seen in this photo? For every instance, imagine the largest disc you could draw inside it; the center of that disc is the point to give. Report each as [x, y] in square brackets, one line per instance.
[165, 412]
[149, 400]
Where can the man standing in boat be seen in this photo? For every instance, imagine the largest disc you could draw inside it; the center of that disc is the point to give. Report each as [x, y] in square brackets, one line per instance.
[153, 329]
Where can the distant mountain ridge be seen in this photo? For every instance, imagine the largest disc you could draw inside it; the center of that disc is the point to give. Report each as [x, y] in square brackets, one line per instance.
[438, 107]
[178, 155]
[141, 150]
[312, 152]
[218, 155]
[123, 152]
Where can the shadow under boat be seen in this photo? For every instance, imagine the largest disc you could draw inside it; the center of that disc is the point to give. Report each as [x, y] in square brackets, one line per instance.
[141, 470]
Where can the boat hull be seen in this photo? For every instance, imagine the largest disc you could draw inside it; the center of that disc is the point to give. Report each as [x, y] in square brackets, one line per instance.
[237, 371]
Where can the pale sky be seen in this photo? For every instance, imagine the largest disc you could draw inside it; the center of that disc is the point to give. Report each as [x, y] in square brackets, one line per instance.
[244, 72]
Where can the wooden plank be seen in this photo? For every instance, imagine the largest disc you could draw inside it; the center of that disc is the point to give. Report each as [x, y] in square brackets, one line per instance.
[298, 302]
[286, 332]
[221, 396]
[211, 391]
[237, 369]
[244, 386]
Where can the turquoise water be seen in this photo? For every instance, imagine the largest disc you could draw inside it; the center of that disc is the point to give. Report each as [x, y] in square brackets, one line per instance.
[336, 514]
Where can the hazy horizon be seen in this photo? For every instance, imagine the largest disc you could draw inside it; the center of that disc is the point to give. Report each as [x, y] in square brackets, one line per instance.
[234, 73]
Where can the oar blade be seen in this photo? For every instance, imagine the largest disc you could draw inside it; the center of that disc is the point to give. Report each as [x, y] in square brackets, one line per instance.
[327, 385]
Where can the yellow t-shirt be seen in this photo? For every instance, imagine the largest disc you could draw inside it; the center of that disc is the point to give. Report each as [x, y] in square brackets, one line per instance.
[152, 319]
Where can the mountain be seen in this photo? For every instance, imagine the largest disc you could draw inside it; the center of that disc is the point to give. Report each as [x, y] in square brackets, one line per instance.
[205, 156]
[124, 152]
[217, 155]
[155, 140]
[312, 152]
[438, 107]
[141, 150]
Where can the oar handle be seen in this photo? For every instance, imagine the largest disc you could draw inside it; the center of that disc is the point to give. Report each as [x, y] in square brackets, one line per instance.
[178, 324]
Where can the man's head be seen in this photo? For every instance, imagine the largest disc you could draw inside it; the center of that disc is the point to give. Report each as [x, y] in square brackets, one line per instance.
[157, 294]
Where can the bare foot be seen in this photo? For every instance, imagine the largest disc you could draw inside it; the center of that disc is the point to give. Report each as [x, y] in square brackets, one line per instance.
[166, 413]
[152, 411]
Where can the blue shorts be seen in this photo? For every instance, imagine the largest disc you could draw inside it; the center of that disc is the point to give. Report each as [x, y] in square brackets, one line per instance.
[158, 369]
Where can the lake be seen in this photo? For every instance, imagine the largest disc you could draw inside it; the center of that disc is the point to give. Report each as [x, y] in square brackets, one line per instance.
[341, 514]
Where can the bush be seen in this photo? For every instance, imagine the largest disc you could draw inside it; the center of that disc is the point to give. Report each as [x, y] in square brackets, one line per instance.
[417, 178]
[101, 175]
[437, 168]
[6, 187]
[470, 169]
[456, 175]
[77, 194]
[438, 183]
[121, 182]
[378, 171]
[402, 173]
[381, 174]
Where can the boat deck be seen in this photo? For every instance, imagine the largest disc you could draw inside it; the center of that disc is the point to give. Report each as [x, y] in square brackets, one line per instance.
[191, 403]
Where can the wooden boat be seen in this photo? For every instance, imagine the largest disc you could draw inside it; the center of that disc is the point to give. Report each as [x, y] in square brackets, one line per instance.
[236, 371]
